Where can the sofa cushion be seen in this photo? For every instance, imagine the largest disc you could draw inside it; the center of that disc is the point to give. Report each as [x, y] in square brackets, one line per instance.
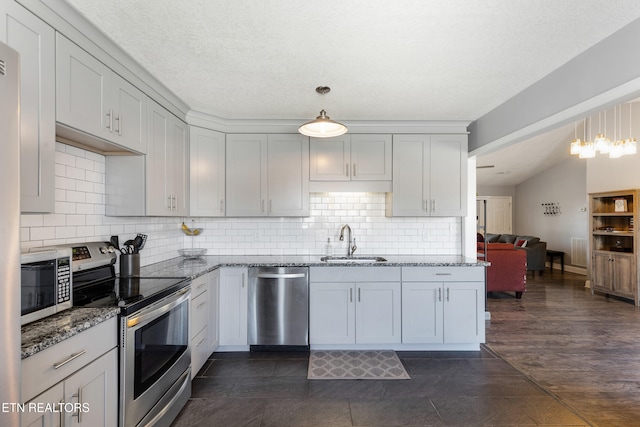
[491, 238]
[500, 247]
[531, 240]
[507, 238]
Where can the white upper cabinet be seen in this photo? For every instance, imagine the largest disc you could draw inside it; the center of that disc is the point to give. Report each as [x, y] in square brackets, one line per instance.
[429, 176]
[351, 158]
[267, 175]
[35, 41]
[207, 172]
[155, 184]
[93, 99]
[166, 164]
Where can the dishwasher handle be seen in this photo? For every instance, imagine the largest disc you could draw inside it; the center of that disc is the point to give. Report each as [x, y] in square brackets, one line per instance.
[280, 275]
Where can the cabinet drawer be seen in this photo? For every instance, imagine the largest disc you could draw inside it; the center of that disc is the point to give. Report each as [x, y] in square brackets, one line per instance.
[354, 274]
[199, 352]
[443, 274]
[39, 372]
[199, 313]
[199, 285]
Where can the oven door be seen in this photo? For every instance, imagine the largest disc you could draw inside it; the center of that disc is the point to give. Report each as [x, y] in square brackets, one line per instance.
[155, 354]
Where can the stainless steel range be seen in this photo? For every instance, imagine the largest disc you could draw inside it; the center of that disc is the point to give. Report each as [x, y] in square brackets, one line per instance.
[155, 358]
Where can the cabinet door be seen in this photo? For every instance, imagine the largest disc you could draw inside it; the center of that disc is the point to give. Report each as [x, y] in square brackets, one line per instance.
[378, 313]
[624, 274]
[82, 90]
[288, 175]
[213, 327]
[130, 115]
[47, 418]
[246, 175]
[422, 312]
[447, 175]
[371, 157]
[207, 172]
[35, 41]
[177, 171]
[601, 270]
[330, 158]
[95, 388]
[332, 313]
[159, 200]
[463, 312]
[409, 153]
[233, 306]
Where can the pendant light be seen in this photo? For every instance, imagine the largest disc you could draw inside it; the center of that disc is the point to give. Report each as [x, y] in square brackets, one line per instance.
[630, 143]
[322, 126]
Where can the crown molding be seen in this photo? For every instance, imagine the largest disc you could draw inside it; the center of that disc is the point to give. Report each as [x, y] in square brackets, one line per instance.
[67, 21]
[209, 121]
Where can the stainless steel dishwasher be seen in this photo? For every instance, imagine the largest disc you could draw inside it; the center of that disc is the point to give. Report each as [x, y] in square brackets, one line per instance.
[278, 313]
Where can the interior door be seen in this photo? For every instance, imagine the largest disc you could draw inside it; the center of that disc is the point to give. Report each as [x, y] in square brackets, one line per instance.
[499, 215]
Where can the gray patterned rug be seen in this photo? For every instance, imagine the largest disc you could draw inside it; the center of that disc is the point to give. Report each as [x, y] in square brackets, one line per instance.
[356, 365]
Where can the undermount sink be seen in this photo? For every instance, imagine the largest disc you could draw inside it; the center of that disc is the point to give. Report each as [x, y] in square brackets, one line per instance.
[353, 259]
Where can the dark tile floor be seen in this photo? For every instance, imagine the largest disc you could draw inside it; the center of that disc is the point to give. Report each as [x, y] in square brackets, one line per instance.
[557, 357]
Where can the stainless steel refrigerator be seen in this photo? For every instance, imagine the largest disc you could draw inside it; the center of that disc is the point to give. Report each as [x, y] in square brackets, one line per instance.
[9, 235]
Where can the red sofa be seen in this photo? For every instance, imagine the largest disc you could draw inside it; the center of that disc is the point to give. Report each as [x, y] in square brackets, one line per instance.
[508, 269]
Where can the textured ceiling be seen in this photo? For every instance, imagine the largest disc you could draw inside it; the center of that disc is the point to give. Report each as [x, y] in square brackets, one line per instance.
[384, 60]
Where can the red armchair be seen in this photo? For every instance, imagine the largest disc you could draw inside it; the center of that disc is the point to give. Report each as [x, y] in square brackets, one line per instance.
[508, 269]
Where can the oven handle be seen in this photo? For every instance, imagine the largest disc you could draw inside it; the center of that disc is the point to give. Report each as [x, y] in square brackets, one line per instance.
[156, 311]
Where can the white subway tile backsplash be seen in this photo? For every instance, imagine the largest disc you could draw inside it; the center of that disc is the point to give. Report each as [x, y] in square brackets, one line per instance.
[80, 208]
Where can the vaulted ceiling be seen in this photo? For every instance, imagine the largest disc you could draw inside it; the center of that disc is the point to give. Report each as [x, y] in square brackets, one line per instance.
[406, 60]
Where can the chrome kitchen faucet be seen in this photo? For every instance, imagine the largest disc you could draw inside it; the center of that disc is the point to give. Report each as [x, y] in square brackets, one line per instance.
[350, 248]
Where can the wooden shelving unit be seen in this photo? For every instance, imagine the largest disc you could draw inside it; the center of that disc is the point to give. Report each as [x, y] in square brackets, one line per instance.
[614, 243]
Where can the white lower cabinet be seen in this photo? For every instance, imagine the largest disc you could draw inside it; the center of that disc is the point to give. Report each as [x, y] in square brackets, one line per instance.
[233, 306]
[199, 316]
[81, 373]
[203, 315]
[354, 305]
[443, 305]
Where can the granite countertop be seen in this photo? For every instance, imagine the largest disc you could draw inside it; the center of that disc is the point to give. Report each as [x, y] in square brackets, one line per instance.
[192, 268]
[47, 332]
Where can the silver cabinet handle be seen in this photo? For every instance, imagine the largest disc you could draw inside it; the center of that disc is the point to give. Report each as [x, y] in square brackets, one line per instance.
[170, 205]
[354, 169]
[350, 294]
[222, 206]
[433, 205]
[201, 304]
[262, 205]
[110, 122]
[74, 356]
[359, 295]
[347, 169]
[119, 130]
[426, 207]
[448, 289]
[439, 294]
[443, 274]
[243, 280]
[270, 206]
[79, 412]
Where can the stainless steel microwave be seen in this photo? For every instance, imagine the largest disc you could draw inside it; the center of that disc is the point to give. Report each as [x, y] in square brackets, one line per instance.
[45, 283]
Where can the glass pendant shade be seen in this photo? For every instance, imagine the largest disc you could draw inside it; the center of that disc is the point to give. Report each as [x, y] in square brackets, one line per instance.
[617, 149]
[602, 144]
[575, 146]
[587, 150]
[630, 146]
[322, 127]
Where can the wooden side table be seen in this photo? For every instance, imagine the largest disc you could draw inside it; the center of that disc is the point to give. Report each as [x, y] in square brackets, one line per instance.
[552, 254]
